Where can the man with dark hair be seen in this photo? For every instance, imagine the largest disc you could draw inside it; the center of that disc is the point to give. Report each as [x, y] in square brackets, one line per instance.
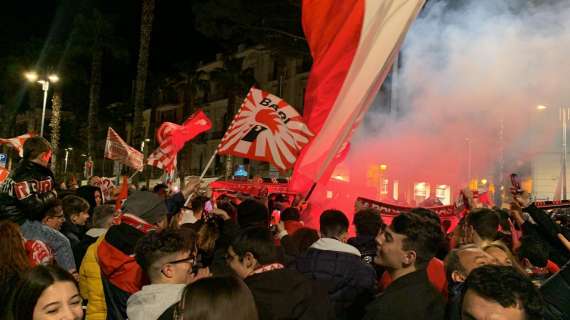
[458, 264]
[482, 226]
[167, 259]
[102, 220]
[279, 293]
[54, 217]
[534, 254]
[252, 213]
[143, 212]
[405, 249]
[28, 193]
[368, 223]
[499, 292]
[29, 190]
[351, 283]
[435, 269]
[76, 210]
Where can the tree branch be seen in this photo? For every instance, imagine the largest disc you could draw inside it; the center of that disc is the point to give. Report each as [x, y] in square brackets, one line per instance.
[269, 29]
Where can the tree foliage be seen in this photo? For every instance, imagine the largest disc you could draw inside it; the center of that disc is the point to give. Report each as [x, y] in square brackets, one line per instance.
[274, 23]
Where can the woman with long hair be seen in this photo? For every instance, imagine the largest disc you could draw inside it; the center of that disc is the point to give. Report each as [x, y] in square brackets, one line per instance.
[13, 260]
[46, 293]
[217, 298]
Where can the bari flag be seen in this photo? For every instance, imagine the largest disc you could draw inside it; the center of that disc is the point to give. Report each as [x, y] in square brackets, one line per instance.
[353, 44]
[117, 149]
[172, 137]
[266, 128]
[17, 143]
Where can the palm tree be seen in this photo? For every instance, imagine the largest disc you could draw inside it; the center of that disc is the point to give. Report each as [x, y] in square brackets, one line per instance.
[94, 36]
[55, 125]
[235, 82]
[147, 16]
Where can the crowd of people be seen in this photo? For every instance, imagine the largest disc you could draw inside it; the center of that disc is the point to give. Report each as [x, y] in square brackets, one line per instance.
[68, 254]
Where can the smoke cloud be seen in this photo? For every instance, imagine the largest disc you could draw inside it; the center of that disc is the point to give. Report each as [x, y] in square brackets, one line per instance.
[467, 67]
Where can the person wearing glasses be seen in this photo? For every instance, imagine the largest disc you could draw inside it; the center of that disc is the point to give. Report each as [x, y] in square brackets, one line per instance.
[168, 260]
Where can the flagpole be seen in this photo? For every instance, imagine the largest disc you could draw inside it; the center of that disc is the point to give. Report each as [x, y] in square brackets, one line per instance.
[133, 175]
[203, 174]
[310, 191]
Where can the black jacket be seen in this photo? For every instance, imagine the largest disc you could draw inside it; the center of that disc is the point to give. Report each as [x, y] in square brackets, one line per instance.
[286, 294]
[73, 232]
[27, 193]
[411, 297]
[556, 294]
[351, 283]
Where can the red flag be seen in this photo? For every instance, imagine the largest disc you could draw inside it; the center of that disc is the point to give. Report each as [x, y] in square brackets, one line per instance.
[123, 193]
[172, 137]
[117, 149]
[266, 128]
[17, 142]
[353, 44]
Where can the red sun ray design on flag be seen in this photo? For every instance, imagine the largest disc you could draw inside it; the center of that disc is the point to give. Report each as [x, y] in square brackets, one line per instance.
[266, 128]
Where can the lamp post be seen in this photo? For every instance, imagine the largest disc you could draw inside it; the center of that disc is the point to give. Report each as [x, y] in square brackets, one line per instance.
[564, 115]
[52, 78]
[67, 150]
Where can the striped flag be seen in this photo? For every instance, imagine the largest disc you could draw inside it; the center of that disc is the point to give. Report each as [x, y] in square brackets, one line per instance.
[17, 143]
[353, 44]
[117, 149]
[172, 137]
[266, 128]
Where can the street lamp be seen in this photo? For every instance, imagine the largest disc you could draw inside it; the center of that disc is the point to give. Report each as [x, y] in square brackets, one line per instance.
[52, 78]
[67, 150]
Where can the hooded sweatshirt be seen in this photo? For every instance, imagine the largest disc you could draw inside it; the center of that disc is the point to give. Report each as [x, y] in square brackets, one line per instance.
[153, 300]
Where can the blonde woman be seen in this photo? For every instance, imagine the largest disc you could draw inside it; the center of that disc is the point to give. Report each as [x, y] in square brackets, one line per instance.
[504, 256]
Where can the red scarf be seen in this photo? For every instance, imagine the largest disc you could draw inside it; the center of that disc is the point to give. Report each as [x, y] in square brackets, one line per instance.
[137, 223]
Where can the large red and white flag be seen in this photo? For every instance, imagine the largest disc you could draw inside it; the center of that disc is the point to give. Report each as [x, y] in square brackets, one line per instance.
[17, 142]
[266, 128]
[353, 44]
[172, 137]
[117, 149]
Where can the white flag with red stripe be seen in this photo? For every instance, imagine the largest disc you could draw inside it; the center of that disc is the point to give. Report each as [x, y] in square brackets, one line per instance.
[266, 128]
[117, 149]
[172, 137]
[17, 143]
[353, 44]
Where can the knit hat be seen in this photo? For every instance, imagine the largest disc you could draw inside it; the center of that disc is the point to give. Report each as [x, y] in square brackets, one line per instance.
[146, 205]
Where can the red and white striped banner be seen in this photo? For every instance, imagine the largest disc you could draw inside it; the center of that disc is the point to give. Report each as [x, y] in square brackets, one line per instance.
[117, 149]
[164, 156]
[17, 143]
[172, 137]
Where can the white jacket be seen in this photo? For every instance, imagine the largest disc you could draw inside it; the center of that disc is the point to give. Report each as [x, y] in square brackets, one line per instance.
[153, 300]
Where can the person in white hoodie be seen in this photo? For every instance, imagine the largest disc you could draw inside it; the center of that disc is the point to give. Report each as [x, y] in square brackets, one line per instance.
[167, 258]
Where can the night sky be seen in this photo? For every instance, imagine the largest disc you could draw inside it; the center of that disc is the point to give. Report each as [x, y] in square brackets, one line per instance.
[174, 40]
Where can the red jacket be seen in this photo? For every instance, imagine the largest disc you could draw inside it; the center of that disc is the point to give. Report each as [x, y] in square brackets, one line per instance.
[116, 254]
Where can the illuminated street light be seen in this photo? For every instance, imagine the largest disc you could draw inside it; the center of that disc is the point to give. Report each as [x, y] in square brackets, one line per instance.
[541, 107]
[32, 76]
[53, 78]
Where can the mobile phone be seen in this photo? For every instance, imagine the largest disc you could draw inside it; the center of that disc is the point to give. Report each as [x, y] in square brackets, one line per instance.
[516, 182]
[208, 206]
